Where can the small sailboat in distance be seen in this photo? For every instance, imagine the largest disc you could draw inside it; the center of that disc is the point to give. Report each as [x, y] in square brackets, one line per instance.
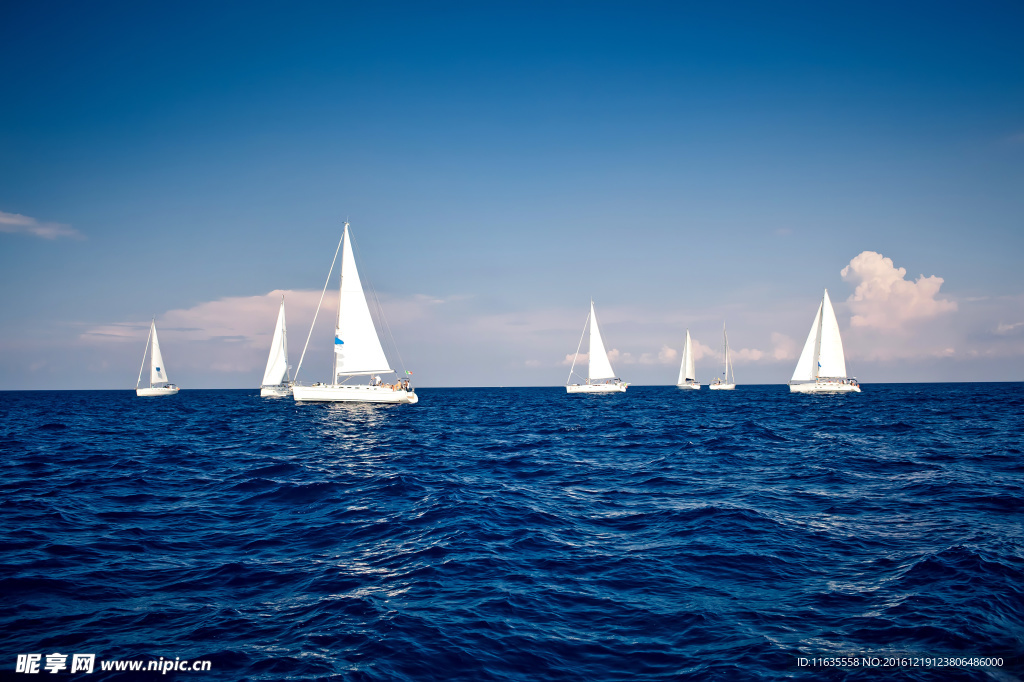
[600, 368]
[687, 372]
[727, 382]
[276, 381]
[158, 383]
[822, 364]
[357, 347]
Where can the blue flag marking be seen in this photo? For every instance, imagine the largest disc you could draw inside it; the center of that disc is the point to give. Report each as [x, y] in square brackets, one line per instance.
[338, 342]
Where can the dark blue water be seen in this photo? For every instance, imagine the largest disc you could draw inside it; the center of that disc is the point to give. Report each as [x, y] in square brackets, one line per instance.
[517, 534]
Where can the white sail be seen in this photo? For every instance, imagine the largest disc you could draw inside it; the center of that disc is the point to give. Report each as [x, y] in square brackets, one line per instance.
[600, 367]
[357, 348]
[807, 365]
[277, 362]
[687, 371]
[157, 371]
[831, 360]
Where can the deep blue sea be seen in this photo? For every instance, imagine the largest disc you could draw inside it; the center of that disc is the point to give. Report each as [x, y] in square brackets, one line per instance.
[518, 534]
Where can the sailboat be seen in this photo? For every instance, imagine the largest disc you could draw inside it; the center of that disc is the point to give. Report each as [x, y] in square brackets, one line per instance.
[687, 373]
[276, 381]
[158, 384]
[724, 383]
[600, 368]
[822, 364]
[357, 347]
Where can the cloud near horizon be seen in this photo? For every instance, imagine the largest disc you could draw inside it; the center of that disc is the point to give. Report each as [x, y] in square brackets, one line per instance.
[15, 223]
[885, 299]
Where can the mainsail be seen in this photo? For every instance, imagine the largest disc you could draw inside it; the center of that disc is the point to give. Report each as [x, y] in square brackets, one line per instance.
[357, 348]
[687, 370]
[277, 362]
[157, 371]
[600, 367]
[831, 360]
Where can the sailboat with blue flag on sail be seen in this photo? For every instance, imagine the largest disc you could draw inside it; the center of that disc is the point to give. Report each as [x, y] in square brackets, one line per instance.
[158, 382]
[357, 348]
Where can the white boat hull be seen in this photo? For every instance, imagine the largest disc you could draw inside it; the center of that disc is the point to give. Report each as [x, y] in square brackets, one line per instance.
[152, 391]
[345, 393]
[824, 386]
[596, 388]
[275, 391]
[722, 387]
[689, 386]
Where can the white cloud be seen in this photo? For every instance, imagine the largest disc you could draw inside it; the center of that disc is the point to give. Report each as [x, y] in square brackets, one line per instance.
[15, 223]
[885, 299]
[783, 347]
[1004, 328]
[235, 318]
[667, 355]
[615, 355]
[747, 355]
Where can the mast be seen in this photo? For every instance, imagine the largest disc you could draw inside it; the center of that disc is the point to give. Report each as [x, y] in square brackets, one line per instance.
[345, 251]
[144, 351]
[725, 343]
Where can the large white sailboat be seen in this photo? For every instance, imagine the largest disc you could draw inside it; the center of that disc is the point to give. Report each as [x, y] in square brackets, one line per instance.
[822, 364]
[727, 382]
[600, 375]
[276, 381]
[687, 372]
[357, 348]
[158, 383]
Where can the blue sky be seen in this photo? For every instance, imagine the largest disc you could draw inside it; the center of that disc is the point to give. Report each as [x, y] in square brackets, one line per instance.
[501, 163]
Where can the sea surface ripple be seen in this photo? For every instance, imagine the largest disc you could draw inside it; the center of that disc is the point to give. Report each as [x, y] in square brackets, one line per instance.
[517, 533]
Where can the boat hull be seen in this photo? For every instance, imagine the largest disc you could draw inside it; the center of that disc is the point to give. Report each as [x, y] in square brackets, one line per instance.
[275, 391]
[353, 394]
[722, 387]
[689, 386]
[824, 387]
[153, 391]
[596, 388]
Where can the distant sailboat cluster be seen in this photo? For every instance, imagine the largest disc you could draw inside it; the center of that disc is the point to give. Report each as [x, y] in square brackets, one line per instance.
[820, 369]
[358, 353]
